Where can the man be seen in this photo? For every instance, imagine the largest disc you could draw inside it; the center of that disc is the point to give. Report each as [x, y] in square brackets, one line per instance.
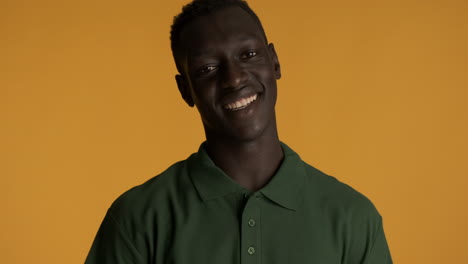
[244, 197]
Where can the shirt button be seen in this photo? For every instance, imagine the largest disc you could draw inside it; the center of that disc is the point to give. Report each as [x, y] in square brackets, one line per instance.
[251, 250]
[251, 222]
[257, 195]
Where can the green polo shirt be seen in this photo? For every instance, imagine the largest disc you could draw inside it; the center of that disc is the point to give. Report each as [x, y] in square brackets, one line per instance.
[193, 213]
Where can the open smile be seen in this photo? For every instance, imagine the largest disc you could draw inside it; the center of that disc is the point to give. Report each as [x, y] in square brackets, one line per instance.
[241, 103]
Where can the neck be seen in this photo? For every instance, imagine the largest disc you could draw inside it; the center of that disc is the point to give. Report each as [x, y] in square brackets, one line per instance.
[250, 163]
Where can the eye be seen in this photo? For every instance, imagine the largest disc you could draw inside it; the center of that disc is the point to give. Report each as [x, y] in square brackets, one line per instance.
[249, 54]
[207, 69]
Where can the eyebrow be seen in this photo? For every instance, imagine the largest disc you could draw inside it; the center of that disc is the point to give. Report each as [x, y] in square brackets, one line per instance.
[206, 51]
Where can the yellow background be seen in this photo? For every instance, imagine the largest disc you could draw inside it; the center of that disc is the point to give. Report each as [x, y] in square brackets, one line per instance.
[373, 92]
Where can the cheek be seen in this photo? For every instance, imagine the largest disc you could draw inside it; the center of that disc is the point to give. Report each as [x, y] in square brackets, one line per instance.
[265, 71]
[268, 80]
[204, 96]
[202, 91]
[267, 77]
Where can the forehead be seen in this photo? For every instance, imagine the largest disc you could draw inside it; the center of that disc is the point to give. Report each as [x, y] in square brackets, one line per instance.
[219, 28]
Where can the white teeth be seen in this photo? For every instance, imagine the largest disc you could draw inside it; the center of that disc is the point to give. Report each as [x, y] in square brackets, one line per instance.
[241, 103]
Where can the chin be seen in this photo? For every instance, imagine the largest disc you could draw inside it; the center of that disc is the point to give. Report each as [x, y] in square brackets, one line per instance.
[250, 133]
[243, 132]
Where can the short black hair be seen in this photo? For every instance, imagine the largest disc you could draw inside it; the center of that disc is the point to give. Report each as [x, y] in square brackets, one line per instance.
[198, 8]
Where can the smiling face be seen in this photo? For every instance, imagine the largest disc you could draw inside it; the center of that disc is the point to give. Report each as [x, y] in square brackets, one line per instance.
[229, 73]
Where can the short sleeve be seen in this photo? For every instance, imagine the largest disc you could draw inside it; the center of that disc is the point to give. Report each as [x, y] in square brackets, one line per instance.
[112, 245]
[379, 252]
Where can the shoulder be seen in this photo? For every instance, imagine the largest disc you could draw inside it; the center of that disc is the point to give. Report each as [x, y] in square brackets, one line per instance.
[338, 198]
[353, 217]
[130, 226]
[154, 187]
[143, 204]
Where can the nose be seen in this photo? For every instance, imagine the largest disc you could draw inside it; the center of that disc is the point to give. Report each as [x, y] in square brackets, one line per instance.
[233, 75]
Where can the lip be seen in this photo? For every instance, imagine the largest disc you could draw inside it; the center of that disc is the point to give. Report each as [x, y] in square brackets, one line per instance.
[241, 103]
[232, 98]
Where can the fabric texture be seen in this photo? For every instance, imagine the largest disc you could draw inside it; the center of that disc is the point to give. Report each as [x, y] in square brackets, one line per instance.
[194, 213]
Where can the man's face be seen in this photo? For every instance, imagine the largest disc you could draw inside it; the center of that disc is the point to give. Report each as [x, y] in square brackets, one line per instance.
[229, 73]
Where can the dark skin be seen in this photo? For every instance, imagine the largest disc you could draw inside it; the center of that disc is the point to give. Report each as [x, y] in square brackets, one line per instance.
[229, 73]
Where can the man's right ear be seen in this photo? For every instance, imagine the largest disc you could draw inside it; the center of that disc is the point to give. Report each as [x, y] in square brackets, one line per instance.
[184, 90]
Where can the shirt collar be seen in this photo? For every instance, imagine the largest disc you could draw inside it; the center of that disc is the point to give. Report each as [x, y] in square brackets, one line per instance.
[285, 188]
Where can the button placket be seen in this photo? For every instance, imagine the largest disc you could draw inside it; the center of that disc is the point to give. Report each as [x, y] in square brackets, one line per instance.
[250, 238]
[251, 250]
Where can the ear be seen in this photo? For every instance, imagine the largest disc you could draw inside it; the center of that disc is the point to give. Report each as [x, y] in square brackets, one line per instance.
[276, 63]
[184, 90]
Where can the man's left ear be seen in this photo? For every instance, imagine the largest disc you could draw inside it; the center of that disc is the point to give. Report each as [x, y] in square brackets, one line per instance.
[275, 61]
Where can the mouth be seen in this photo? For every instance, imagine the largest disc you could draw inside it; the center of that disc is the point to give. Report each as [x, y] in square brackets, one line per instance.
[241, 103]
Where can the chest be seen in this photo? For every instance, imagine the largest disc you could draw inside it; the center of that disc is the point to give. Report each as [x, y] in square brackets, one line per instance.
[253, 230]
